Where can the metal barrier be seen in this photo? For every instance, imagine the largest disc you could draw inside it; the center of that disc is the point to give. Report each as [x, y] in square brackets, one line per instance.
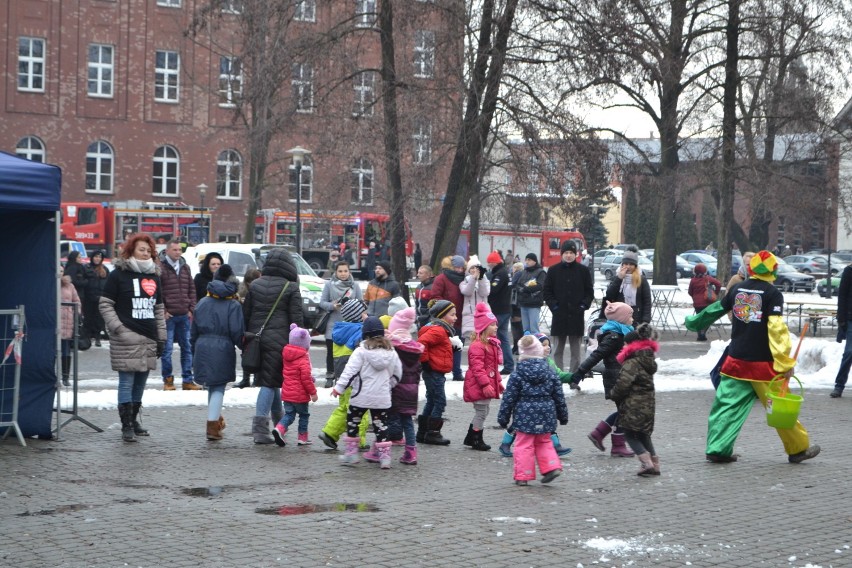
[75, 352]
[12, 326]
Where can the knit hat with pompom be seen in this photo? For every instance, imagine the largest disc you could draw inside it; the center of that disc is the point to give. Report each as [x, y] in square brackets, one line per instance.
[299, 337]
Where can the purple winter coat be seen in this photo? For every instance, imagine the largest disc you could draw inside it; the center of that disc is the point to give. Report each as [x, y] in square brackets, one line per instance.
[404, 395]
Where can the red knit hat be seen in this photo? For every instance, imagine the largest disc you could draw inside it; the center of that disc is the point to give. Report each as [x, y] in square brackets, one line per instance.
[494, 258]
[483, 317]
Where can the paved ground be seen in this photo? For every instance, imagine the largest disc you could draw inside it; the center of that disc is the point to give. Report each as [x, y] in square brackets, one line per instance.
[174, 499]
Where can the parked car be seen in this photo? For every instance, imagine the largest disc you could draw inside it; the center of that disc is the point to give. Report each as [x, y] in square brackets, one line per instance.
[822, 287]
[809, 263]
[696, 257]
[683, 268]
[599, 256]
[790, 280]
[609, 266]
[701, 251]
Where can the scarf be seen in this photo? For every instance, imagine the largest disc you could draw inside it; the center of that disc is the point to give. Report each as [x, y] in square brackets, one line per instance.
[341, 287]
[628, 290]
[617, 327]
[141, 266]
[455, 277]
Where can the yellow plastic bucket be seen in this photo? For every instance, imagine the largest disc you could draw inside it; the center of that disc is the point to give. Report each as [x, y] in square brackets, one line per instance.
[782, 406]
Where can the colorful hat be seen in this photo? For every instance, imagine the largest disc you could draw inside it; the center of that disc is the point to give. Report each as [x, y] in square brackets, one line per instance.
[401, 322]
[763, 266]
[483, 317]
[298, 336]
[494, 258]
[440, 308]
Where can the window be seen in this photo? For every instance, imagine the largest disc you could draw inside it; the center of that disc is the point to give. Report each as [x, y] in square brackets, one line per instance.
[552, 172]
[422, 142]
[365, 13]
[362, 182]
[166, 71]
[306, 11]
[532, 173]
[166, 171]
[365, 93]
[169, 3]
[230, 81]
[303, 87]
[31, 148]
[307, 182]
[424, 54]
[30, 64]
[99, 167]
[232, 6]
[100, 70]
[229, 174]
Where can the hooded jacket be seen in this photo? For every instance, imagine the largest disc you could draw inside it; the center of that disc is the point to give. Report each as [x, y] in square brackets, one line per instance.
[379, 294]
[298, 385]
[634, 391]
[371, 373]
[405, 394]
[217, 328]
[533, 400]
[446, 287]
[610, 343]
[474, 290]
[438, 353]
[484, 362]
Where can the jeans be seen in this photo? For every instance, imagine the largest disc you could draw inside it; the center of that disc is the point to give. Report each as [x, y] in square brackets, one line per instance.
[178, 326]
[505, 343]
[436, 398]
[131, 385]
[845, 361]
[215, 397]
[290, 411]
[529, 319]
[457, 357]
[268, 400]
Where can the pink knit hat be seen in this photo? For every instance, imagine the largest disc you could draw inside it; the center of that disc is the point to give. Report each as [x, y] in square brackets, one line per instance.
[299, 337]
[620, 312]
[529, 346]
[400, 324]
[483, 317]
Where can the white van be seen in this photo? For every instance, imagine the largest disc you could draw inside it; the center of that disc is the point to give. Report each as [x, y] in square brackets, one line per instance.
[241, 257]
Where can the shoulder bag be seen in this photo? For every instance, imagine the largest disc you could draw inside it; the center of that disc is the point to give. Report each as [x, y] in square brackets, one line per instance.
[251, 347]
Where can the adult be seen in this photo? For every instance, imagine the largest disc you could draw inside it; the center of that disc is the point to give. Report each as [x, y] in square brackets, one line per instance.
[742, 272]
[333, 259]
[207, 267]
[96, 280]
[68, 295]
[217, 328]
[701, 292]
[500, 300]
[446, 287]
[418, 255]
[349, 255]
[516, 322]
[380, 290]
[370, 261]
[529, 289]
[273, 299]
[631, 287]
[759, 352]
[423, 294]
[341, 285]
[76, 270]
[844, 313]
[568, 292]
[474, 289]
[179, 297]
[134, 314]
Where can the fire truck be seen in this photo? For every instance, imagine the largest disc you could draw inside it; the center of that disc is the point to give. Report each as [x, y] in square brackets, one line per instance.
[101, 226]
[325, 231]
[545, 242]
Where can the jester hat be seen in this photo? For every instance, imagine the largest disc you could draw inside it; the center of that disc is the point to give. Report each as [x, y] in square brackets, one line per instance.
[763, 266]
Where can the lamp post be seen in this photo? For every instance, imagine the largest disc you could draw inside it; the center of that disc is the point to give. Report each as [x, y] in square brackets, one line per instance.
[202, 191]
[298, 155]
[595, 208]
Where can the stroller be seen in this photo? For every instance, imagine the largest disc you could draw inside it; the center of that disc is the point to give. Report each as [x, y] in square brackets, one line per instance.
[594, 322]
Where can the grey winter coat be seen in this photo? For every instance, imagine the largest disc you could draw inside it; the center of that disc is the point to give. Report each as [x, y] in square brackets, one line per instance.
[568, 292]
[278, 270]
[217, 328]
[634, 392]
[533, 399]
[333, 290]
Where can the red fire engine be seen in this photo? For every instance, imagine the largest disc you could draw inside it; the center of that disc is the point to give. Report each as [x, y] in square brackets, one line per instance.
[545, 242]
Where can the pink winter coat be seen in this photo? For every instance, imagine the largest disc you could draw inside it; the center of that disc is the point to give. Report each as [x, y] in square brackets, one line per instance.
[298, 385]
[483, 369]
[69, 294]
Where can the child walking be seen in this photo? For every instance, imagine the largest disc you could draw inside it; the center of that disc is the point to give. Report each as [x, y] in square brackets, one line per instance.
[372, 371]
[404, 395]
[482, 379]
[533, 401]
[298, 386]
[634, 395]
[440, 342]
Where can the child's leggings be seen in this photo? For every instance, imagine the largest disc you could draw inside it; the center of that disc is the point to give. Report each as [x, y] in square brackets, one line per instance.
[379, 418]
[480, 413]
[639, 442]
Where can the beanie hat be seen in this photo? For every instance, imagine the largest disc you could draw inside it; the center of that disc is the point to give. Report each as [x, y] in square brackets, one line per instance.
[223, 273]
[352, 309]
[298, 336]
[385, 265]
[474, 261]
[620, 312]
[396, 304]
[530, 347]
[483, 317]
[99, 253]
[763, 266]
[568, 246]
[457, 261]
[700, 268]
[401, 322]
[642, 331]
[630, 257]
[494, 258]
[542, 337]
[531, 256]
[372, 328]
[440, 308]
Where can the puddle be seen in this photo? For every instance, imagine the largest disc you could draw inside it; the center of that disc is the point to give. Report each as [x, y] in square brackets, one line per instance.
[307, 509]
[203, 491]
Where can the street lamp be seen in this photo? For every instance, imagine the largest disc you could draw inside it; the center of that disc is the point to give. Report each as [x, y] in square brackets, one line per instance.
[202, 190]
[298, 154]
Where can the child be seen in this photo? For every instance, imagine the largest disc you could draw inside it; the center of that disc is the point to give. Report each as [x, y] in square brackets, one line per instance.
[704, 290]
[533, 401]
[346, 335]
[372, 371]
[404, 394]
[563, 377]
[482, 380]
[619, 318]
[298, 386]
[634, 395]
[439, 341]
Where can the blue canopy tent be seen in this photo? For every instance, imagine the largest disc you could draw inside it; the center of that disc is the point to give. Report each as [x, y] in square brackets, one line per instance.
[30, 194]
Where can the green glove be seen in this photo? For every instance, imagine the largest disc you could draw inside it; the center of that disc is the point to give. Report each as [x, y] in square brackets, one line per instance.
[705, 318]
[566, 377]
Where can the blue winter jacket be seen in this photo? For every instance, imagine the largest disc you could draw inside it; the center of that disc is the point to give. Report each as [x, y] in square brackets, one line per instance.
[217, 329]
[347, 333]
[533, 399]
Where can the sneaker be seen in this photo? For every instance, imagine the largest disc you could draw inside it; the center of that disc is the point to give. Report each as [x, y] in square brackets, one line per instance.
[551, 475]
[278, 433]
[811, 452]
[327, 440]
[716, 458]
[521, 482]
[168, 383]
[191, 386]
[836, 393]
[303, 439]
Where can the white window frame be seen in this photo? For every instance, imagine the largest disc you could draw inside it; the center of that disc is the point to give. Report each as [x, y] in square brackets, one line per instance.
[303, 87]
[230, 81]
[305, 11]
[229, 175]
[533, 171]
[162, 160]
[424, 54]
[362, 181]
[31, 67]
[307, 181]
[167, 78]
[365, 93]
[103, 69]
[31, 148]
[422, 138]
[169, 3]
[366, 14]
[104, 160]
[232, 6]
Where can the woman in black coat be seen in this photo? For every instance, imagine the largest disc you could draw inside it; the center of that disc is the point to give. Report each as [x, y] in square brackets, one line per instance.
[631, 287]
[278, 278]
[206, 271]
[97, 277]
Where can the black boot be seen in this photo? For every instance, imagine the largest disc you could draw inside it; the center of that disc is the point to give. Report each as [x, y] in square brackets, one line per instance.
[470, 439]
[422, 426]
[125, 411]
[137, 427]
[478, 443]
[433, 434]
[243, 383]
[66, 370]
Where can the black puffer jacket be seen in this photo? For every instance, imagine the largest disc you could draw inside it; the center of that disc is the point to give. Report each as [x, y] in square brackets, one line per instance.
[278, 271]
[609, 345]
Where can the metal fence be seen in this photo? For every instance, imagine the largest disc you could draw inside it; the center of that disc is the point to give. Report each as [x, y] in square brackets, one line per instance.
[12, 327]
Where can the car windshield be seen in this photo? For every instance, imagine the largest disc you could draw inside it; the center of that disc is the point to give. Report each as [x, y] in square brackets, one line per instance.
[302, 267]
[705, 258]
[786, 268]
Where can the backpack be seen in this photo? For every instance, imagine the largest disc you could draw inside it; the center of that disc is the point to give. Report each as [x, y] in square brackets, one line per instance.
[711, 292]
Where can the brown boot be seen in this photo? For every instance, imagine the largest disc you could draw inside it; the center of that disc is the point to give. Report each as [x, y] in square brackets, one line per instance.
[214, 432]
[647, 467]
[192, 386]
[222, 423]
[168, 383]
